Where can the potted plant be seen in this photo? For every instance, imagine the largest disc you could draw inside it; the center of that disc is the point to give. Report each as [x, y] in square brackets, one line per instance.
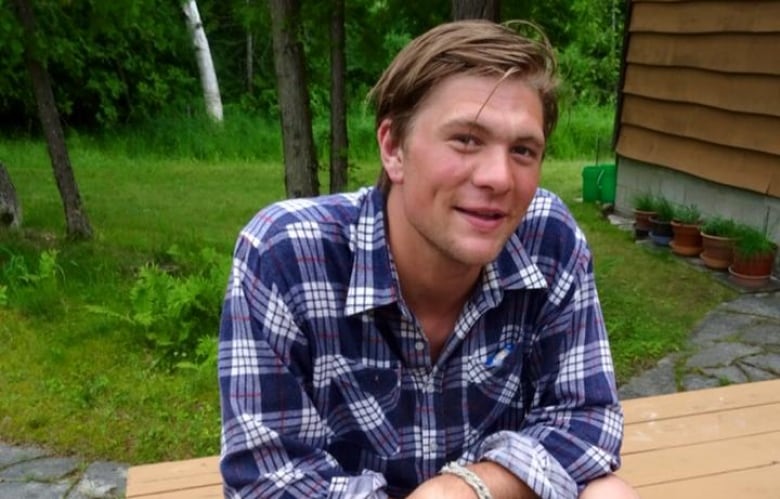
[686, 239]
[661, 222]
[644, 208]
[754, 256]
[717, 240]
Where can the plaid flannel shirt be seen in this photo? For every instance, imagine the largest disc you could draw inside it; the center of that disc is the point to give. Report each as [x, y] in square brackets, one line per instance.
[326, 381]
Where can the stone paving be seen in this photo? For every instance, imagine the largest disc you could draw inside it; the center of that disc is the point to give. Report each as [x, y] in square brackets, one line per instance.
[32, 472]
[737, 342]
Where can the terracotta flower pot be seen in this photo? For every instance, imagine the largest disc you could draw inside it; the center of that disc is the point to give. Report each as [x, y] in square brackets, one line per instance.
[717, 252]
[755, 268]
[686, 240]
[642, 223]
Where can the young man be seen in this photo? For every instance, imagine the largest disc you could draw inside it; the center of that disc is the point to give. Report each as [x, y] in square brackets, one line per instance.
[437, 336]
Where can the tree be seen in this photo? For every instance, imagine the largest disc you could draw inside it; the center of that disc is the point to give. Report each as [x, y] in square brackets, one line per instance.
[300, 157]
[476, 9]
[10, 210]
[76, 220]
[339, 143]
[208, 77]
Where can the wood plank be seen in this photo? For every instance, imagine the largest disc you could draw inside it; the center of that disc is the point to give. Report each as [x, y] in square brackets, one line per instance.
[209, 492]
[699, 460]
[745, 131]
[728, 53]
[711, 426]
[745, 93]
[186, 475]
[705, 17]
[701, 401]
[758, 483]
[750, 170]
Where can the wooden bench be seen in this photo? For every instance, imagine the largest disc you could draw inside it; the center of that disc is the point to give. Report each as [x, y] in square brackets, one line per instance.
[719, 442]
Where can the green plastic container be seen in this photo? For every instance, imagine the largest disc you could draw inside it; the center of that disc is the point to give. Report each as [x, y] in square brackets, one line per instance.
[599, 183]
[608, 184]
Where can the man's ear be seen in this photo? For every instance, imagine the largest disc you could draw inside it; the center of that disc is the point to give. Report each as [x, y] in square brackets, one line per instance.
[390, 152]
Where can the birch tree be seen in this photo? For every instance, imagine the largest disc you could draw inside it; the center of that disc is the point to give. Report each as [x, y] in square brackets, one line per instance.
[208, 77]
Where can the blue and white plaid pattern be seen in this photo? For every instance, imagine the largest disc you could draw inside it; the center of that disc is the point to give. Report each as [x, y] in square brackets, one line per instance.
[327, 385]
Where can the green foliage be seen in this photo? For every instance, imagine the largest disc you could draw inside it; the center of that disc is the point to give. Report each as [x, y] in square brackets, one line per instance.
[110, 61]
[131, 61]
[32, 282]
[719, 227]
[644, 202]
[176, 310]
[664, 209]
[752, 242]
[583, 131]
[687, 214]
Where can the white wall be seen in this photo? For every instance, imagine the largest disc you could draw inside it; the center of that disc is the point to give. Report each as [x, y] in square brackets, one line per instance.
[634, 177]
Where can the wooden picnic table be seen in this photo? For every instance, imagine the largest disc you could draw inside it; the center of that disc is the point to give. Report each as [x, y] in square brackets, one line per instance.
[715, 443]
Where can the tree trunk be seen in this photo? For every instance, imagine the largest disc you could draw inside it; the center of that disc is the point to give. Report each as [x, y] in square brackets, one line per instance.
[300, 157]
[476, 9]
[78, 226]
[250, 58]
[208, 77]
[10, 210]
[339, 143]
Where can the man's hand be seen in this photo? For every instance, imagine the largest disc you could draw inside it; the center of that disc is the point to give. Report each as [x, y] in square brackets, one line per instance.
[502, 484]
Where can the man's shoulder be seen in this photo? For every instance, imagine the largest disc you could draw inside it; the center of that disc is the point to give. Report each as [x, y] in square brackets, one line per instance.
[549, 229]
[316, 217]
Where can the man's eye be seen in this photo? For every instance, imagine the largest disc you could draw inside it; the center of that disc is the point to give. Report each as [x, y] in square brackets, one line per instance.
[466, 139]
[524, 151]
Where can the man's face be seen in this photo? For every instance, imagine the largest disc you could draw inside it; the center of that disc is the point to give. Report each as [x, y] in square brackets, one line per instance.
[466, 171]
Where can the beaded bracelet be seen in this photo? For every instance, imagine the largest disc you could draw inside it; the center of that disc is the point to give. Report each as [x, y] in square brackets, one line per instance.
[468, 476]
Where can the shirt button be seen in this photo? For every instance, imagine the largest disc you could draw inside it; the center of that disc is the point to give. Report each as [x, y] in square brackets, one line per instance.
[420, 346]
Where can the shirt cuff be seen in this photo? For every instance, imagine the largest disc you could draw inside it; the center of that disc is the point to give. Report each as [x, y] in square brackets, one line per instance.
[527, 459]
[368, 485]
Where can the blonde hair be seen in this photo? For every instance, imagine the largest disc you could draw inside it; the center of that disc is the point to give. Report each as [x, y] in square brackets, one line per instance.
[472, 47]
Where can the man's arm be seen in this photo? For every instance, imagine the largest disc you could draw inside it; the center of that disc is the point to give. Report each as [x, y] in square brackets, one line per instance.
[502, 483]
[273, 438]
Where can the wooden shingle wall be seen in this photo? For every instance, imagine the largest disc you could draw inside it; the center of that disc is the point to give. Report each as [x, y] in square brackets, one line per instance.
[701, 90]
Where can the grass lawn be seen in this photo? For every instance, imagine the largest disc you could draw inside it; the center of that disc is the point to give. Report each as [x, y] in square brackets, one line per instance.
[84, 382]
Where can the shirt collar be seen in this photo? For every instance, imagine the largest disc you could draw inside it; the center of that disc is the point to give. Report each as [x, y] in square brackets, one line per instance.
[373, 282]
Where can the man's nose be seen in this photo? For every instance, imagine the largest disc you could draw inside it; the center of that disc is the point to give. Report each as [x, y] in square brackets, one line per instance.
[493, 170]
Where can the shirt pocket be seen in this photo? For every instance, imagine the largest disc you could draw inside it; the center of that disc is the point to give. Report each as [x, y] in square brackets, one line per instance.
[361, 403]
[494, 385]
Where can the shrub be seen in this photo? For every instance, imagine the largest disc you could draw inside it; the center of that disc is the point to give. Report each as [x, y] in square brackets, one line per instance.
[176, 312]
[644, 202]
[751, 241]
[664, 210]
[687, 214]
[719, 227]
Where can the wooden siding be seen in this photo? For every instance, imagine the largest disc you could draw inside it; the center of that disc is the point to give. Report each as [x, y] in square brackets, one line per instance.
[701, 90]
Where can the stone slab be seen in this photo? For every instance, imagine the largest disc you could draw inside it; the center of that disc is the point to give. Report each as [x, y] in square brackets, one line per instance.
[46, 469]
[33, 490]
[721, 354]
[10, 454]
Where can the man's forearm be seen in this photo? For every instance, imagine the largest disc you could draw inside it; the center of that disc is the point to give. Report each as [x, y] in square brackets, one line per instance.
[500, 481]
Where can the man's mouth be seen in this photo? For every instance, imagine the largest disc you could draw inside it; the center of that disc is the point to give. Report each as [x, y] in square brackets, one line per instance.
[482, 214]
